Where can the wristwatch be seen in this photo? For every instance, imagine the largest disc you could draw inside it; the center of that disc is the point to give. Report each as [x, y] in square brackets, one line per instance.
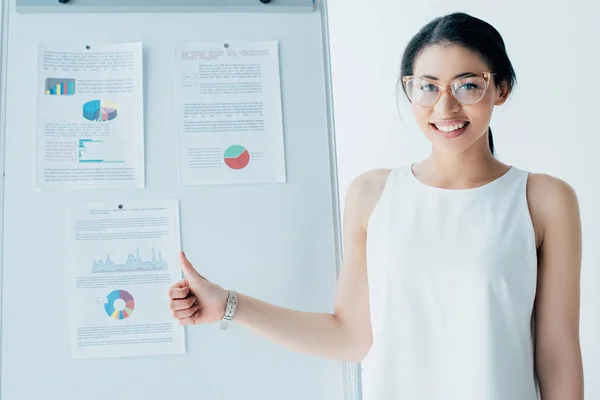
[232, 301]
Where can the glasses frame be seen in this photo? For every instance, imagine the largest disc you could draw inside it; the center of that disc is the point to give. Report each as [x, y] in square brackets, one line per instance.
[487, 76]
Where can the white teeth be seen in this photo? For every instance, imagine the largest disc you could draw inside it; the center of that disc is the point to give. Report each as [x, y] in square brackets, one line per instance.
[450, 128]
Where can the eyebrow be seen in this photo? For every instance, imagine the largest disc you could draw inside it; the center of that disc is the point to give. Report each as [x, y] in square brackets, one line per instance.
[464, 74]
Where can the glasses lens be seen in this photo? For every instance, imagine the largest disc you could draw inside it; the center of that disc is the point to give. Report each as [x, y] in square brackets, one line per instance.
[422, 91]
[469, 90]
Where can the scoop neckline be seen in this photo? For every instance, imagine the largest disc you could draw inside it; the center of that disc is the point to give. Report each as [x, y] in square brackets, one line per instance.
[465, 190]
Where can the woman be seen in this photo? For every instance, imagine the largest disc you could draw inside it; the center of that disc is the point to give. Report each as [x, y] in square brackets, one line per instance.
[472, 285]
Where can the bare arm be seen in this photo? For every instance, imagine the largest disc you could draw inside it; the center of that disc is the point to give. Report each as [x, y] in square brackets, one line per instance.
[344, 335]
[558, 354]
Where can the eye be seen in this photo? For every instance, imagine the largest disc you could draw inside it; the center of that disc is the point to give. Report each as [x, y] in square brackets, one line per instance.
[468, 86]
[428, 87]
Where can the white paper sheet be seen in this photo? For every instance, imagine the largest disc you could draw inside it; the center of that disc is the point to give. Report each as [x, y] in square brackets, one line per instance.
[90, 125]
[228, 105]
[123, 259]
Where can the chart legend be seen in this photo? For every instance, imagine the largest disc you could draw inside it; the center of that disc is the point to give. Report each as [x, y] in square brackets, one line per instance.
[60, 87]
[237, 157]
[100, 110]
[119, 305]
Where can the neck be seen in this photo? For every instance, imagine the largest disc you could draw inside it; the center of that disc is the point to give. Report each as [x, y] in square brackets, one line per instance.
[466, 170]
[460, 167]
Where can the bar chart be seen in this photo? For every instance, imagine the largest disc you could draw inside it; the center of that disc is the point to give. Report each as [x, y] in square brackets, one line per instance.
[60, 87]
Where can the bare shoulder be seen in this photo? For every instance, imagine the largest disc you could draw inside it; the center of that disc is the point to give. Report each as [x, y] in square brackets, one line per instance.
[552, 203]
[364, 193]
[548, 192]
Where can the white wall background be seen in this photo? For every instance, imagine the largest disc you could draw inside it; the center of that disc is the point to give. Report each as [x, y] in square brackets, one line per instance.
[551, 123]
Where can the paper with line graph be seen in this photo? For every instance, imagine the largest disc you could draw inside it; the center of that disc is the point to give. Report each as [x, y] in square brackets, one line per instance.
[90, 131]
[122, 261]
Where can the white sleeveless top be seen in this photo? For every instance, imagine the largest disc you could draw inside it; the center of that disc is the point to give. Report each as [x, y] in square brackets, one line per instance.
[452, 281]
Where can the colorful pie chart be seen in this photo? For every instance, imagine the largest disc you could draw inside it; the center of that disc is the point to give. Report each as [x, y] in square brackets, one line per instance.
[120, 304]
[100, 110]
[237, 157]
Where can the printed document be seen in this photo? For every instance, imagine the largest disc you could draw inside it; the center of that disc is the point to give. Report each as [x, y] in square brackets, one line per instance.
[90, 121]
[228, 104]
[122, 261]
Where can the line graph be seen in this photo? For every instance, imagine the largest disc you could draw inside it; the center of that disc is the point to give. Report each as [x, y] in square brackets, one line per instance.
[133, 263]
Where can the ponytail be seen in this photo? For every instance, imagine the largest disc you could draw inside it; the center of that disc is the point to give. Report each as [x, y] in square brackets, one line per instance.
[491, 140]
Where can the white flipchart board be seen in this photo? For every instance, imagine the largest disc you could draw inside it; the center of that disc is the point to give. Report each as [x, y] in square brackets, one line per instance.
[278, 242]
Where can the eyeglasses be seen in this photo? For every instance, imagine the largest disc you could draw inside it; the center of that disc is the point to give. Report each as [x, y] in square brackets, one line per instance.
[466, 90]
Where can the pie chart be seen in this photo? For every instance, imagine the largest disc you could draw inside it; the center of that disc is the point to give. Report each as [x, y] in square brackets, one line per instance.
[100, 110]
[237, 157]
[120, 304]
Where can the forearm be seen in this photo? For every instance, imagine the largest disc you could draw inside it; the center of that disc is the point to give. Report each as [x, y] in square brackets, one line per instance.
[561, 380]
[318, 334]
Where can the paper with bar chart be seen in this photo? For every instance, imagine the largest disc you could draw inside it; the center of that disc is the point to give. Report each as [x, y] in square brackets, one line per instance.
[228, 100]
[122, 261]
[90, 129]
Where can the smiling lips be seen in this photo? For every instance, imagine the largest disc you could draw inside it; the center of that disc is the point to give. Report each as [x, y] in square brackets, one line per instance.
[450, 128]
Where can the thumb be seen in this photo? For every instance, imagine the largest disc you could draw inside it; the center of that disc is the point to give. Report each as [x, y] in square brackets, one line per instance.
[188, 269]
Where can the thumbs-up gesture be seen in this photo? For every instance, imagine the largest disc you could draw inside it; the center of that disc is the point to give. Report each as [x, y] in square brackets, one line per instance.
[195, 300]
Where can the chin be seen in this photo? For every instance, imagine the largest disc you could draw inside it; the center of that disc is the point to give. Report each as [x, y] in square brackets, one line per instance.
[451, 142]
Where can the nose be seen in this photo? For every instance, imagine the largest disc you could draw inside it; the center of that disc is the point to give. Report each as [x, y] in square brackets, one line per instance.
[446, 105]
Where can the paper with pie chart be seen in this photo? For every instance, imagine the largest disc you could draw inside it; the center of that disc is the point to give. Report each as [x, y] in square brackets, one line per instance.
[122, 261]
[90, 120]
[228, 102]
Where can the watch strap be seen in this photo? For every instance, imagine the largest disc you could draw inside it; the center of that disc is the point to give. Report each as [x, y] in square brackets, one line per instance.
[232, 301]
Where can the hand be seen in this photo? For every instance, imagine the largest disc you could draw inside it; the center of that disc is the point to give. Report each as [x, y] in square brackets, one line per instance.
[195, 300]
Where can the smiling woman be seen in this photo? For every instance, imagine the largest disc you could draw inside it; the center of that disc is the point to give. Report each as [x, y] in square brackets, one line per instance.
[460, 276]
